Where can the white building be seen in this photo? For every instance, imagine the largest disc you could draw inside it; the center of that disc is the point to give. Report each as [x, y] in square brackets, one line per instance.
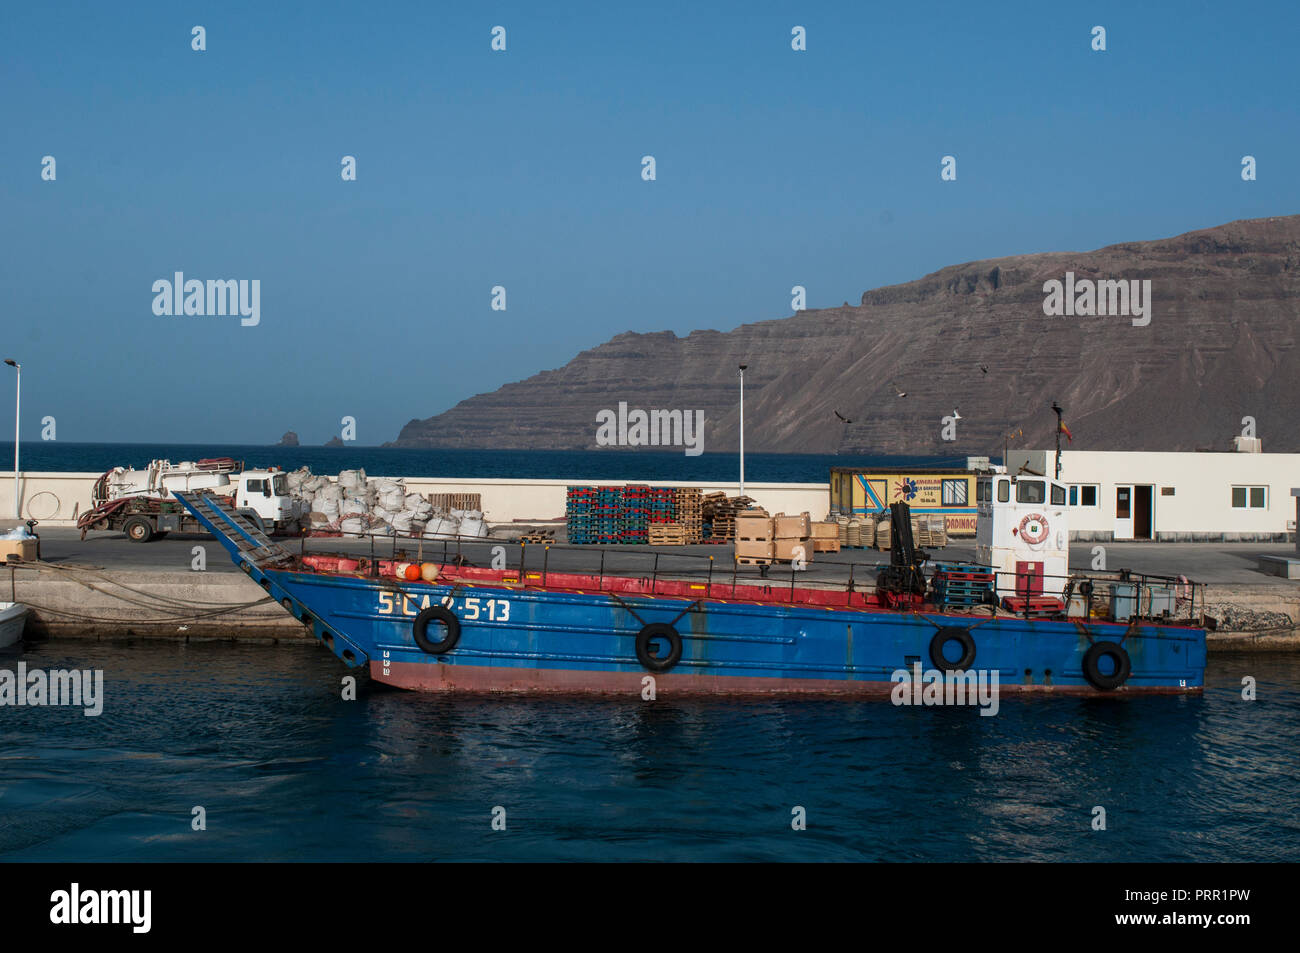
[1192, 497]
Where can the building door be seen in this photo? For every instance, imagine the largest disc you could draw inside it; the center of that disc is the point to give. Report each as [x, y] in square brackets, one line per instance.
[1124, 512]
[1143, 512]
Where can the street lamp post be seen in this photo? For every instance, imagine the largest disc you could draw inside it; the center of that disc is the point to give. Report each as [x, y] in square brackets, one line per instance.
[742, 428]
[17, 402]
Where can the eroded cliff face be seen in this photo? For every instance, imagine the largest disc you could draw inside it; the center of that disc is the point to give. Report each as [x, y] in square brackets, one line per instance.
[1220, 346]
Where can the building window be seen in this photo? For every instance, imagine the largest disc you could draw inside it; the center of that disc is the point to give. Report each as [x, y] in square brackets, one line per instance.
[1249, 498]
[954, 492]
[1083, 494]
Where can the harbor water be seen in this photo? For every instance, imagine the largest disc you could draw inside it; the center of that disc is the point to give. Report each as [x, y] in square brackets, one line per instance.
[575, 465]
[284, 768]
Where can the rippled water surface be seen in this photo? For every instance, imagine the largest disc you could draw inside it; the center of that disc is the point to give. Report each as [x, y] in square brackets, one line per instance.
[286, 770]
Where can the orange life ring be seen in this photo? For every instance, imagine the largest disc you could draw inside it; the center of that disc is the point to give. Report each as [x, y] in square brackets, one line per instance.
[1038, 535]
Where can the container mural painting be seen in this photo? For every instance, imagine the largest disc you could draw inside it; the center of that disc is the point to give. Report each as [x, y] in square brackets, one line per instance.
[946, 493]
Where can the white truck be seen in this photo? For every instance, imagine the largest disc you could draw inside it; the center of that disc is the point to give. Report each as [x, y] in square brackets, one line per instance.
[140, 504]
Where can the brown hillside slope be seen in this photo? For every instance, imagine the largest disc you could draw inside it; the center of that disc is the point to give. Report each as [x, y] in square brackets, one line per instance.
[1220, 346]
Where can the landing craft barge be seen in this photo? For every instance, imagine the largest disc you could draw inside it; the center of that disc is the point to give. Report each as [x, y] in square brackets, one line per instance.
[446, 626]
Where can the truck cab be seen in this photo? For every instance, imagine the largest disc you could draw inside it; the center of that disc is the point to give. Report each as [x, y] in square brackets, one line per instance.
[266, 494]
[1022, 533]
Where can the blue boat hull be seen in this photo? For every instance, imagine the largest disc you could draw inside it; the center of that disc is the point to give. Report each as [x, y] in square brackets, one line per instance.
[515, 639]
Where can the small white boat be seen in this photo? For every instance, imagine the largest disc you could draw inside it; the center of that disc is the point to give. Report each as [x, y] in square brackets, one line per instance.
[12, 617]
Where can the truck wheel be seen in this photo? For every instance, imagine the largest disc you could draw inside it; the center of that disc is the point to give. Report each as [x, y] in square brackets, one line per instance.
[138, 529]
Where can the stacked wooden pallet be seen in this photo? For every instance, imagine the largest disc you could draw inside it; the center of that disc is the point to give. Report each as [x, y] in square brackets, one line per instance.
[667, 534]
[688, 510]
[719, 512]
[538, 536]
[446, 502]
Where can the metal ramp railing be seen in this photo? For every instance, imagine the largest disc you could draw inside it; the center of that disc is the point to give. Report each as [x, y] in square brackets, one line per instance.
[237, 533]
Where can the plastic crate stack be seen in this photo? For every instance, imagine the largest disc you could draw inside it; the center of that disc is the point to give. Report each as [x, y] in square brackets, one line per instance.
[623, 514]
[635, 515]
[593, 514]
[961, 584]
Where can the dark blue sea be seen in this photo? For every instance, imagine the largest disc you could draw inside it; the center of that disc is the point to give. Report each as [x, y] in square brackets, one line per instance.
[576, 465]
[285, 769]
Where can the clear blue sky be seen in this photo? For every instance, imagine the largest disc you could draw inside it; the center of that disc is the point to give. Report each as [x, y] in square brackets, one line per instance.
[522, 168]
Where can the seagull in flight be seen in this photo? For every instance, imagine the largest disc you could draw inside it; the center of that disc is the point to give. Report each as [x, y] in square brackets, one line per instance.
[899, 390]
[984, 369]
[842, 417]
[955, 415]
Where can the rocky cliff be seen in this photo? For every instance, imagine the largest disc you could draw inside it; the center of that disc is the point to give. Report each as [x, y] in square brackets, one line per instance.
[1219, 346]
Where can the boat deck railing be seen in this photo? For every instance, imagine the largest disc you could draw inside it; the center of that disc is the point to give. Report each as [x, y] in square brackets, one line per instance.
[692, 575]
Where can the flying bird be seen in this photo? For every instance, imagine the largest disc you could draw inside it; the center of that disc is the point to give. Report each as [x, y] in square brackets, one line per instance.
[984, 369]
[955, 415]
[842, 417]
[899, 390]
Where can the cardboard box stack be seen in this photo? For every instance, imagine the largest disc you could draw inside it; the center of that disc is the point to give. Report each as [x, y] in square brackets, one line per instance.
[826, 537]
[793, 537]
[754, 545]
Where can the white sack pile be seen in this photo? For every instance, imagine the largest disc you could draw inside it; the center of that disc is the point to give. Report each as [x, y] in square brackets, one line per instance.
[356, 506]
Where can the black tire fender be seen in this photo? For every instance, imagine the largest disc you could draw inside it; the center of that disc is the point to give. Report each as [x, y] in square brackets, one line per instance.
[1092, 667]
[420, 629]
[649, 634]
[952, 633]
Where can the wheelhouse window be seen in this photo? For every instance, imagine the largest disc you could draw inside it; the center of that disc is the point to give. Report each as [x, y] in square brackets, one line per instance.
[983, 491]
[954, 492]
[1058, 495]
[1031, 491]
[1249, 498]
[1004, 490]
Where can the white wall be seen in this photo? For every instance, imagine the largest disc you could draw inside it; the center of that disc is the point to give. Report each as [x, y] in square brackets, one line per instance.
[53, 497]
[1201, 506]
